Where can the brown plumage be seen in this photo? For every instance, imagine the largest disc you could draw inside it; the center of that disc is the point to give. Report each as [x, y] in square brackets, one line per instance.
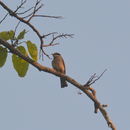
[59, 65]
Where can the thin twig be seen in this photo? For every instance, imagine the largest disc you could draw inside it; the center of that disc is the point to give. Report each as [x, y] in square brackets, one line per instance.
[36, 9]
[47, 16]
[15, 41]
[48, 45]
[25, 11]
[46, 35]
[60, 36]
[20, 6]
[16, 27]
[98, 77]
[4, 18]
[94, 78]
[55, 38]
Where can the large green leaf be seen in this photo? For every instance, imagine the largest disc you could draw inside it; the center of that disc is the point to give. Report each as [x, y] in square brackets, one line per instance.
[7, 35]
[3, 55]
[33, 51]
[20, 65]
[21, 34]
[4, 35]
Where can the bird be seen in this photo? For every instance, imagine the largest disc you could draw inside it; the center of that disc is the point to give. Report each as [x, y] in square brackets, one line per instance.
[59, 65]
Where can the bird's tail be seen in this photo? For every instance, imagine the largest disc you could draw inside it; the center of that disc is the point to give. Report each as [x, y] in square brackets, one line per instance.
[63, 83]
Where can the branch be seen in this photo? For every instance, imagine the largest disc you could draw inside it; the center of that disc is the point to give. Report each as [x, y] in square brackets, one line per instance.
[27, 22]
[69, 79]
[12, 13]
[94, 78]
[25, 11]
[52, 33]
[4, 18]
[54, 38]
[21, 4]
[37, 7]
[48, 16]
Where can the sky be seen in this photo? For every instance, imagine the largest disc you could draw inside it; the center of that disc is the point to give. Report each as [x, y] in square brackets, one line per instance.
[101, 41]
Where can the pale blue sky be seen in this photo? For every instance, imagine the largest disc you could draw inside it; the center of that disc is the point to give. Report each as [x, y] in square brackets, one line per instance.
[102, 40]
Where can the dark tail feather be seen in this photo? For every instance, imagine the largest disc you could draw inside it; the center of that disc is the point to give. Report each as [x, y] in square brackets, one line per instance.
[63, 83]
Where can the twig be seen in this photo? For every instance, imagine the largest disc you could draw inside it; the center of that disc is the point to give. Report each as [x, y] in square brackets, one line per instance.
[46, 35]
[91, 81]
[94, 78]
[36, 9]
[25, 11]
[55, 38]
[48, 45]
[15, 41]
[4, 18]
[60, 36]
[43, 52]
[47, 16]
[16, 27]
[20, 6]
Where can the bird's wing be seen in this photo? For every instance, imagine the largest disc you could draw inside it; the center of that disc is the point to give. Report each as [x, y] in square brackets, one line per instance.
[64, 66]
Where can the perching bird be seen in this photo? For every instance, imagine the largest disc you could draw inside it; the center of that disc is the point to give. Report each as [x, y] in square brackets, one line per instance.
[59, 65]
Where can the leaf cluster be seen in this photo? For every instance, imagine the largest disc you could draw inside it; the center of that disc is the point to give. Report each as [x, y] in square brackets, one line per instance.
[21, 66]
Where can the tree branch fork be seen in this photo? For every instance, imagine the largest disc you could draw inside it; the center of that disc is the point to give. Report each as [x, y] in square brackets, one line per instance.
[27, 21]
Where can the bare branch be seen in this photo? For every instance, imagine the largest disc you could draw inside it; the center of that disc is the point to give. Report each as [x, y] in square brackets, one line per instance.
[27, 16]
[91, 81]
[4, 18]
[16, 26]
[94, 78]
[23, 21]
[27, 22]
[48, 45]
[25, 11]
[47, 16]
[52, 42]
[55, 38]
[37, 7]
[20, 6]
[52, 33]
[42, 52]
[15, 41]
[60, 36]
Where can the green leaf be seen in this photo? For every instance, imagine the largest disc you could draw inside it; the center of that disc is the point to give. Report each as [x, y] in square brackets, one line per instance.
[21, 34]
[4, 35]
[3, 55]
[7, 35]
[20, 65]
[33, 51]
[22, 50]
[11, 34]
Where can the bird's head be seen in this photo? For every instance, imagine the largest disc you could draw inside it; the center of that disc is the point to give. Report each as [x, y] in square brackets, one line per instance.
[56, 54]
